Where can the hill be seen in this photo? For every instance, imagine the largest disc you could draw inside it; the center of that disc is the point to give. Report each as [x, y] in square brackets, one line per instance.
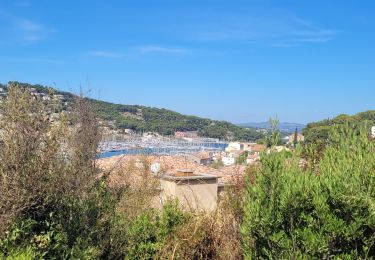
[284, 127]
[151, 119]
[166, 122]
[318, 131]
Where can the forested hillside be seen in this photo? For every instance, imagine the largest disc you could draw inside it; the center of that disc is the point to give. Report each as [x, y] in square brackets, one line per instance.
[162, 121]
[318, 131]
[166, 122]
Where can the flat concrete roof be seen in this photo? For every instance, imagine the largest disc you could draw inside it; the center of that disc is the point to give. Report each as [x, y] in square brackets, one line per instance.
[196, 176]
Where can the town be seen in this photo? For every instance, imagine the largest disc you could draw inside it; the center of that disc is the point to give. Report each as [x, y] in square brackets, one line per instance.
[196, 177]
[200, 167]
[228, 130]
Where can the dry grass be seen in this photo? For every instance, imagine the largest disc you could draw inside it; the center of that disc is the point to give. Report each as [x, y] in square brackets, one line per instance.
[205, 235]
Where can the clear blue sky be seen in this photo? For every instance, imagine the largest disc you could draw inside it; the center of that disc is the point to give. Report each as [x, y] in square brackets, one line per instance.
[241, 61]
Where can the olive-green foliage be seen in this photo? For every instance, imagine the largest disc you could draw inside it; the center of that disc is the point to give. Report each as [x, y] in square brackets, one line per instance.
[318, 132]
[274, 136]
[53, 203]
[149, 230]
[108, 236]
[47, 179]
[291, 213]
[150, 119]
[217, 164]
[242, 158]
[21, 254]
[76, 229]
[317, 135]
[166, 122]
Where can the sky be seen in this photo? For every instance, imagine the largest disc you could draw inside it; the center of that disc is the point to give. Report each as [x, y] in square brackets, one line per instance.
[234, 60]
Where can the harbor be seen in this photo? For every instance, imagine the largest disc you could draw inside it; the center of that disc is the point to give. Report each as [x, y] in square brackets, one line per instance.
[157, 145]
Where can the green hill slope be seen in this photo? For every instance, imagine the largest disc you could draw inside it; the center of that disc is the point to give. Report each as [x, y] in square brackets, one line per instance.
[318, 131]
[166, 122]
[162, 121]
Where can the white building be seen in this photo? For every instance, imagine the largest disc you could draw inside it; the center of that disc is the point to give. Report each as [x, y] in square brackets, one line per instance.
[58, 97]
[230, 158]
[373, 132]
[227, 160]
[233, 146]
[155, 168]
[252, 158]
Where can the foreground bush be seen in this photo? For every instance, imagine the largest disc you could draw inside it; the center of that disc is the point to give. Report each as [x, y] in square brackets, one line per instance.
[54, 204]
[290, 213]
[48, 178]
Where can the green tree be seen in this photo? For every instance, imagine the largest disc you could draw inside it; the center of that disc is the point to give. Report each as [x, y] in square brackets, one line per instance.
[242, 158]
[295, 139]
[292, 213]
[274, 136]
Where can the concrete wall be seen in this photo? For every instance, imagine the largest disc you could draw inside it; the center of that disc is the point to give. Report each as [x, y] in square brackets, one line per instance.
[167, 190]
[199, 194]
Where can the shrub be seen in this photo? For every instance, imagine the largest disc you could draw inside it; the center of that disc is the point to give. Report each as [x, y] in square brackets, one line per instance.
[149, 231]
[291, 213]
[47, 177]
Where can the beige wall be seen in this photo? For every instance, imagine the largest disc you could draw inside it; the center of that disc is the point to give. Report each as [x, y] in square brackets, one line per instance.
[168, 188]
[192, 194]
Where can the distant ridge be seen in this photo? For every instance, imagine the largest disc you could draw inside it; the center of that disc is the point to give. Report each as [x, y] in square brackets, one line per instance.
[150, 119]
[285, 126]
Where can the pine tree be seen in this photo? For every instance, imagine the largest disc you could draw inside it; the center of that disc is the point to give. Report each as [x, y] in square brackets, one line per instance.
[295, 141]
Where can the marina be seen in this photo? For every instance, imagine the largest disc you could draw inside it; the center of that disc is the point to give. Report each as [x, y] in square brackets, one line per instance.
[157, 145]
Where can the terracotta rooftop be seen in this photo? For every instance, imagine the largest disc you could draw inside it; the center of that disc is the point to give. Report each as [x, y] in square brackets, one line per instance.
[169, 165]
[202, 155]
[258, 148]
